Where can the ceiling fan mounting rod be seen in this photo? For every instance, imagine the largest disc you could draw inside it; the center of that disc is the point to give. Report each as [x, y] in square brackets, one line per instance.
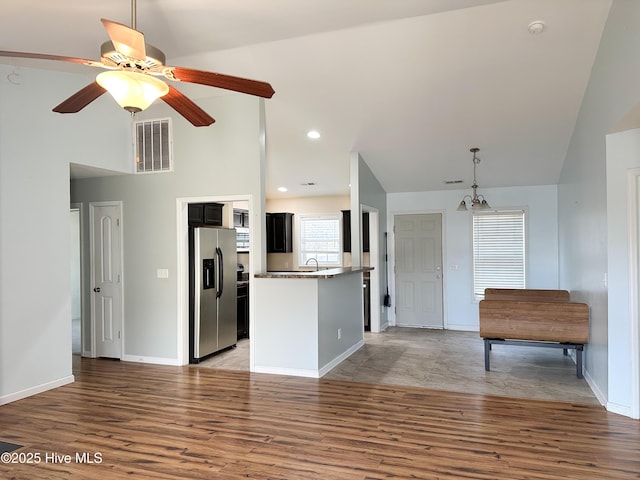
[133, 14]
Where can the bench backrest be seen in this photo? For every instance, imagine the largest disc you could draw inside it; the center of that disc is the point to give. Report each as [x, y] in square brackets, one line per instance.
[526, 295]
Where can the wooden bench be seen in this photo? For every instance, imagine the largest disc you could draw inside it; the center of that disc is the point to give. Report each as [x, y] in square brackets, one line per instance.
[540, 318]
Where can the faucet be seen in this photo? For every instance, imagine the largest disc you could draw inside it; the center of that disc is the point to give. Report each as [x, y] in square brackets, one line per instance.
[315, 260]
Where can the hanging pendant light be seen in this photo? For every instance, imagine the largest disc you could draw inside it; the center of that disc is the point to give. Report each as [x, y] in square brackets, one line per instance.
[477, 201]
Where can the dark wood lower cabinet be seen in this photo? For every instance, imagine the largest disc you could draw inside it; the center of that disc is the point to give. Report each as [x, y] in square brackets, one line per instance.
[243, 311]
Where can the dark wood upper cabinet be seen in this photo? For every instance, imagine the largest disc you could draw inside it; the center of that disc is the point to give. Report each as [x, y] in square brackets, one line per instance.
[346, 231]
[279, 232]
[205, 214]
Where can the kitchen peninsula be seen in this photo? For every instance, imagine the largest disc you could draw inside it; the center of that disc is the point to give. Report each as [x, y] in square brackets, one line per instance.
[307, 322]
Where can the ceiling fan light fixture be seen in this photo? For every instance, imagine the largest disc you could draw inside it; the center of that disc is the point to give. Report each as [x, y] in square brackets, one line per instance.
[133, 91]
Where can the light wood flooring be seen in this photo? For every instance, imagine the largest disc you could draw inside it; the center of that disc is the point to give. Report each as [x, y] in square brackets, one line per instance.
[163, 422]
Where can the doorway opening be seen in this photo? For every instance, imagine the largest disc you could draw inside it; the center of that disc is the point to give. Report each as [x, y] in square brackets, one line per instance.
[371, 257]
[247, 258]
[76, 278]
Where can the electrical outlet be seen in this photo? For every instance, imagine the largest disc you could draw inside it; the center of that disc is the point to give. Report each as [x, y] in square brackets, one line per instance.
[162, 273]
[339, 333]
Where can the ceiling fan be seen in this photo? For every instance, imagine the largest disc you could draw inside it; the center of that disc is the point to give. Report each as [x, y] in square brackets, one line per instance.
[133, 68]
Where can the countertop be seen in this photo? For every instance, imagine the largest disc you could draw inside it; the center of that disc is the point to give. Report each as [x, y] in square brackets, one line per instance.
[328, 273]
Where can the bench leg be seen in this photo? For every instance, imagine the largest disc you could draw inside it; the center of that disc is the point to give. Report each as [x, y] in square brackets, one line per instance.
[487, 348]
[579, 361]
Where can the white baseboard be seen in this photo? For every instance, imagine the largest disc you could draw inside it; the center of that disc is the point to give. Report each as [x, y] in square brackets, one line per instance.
[28, 392]
[462, 328]
[295, 372]
[298, 372]
[340, 358]
[153, 360]
[619, 409]
[592, 385]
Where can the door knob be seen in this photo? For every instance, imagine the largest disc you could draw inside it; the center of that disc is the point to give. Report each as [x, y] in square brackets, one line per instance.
[97, 289]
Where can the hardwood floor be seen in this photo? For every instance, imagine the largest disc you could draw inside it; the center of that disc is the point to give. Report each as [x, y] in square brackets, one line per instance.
[144, 421]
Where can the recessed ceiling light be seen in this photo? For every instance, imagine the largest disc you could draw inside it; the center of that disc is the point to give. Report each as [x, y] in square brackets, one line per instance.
[282, 189]
[313, 134]
[537, 27]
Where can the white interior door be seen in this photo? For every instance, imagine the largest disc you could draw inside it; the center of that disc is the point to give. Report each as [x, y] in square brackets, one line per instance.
[418, 270]
[106, 279]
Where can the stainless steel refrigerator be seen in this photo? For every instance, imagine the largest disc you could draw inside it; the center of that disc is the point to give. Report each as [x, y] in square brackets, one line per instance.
[213, 291]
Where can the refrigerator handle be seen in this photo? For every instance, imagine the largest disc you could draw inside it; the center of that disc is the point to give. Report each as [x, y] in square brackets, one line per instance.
[220, 272]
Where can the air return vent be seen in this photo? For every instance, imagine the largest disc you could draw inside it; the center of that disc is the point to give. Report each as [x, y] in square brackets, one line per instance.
[153, 146]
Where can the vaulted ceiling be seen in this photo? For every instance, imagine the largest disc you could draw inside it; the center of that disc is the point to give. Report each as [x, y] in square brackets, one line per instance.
[410, 84]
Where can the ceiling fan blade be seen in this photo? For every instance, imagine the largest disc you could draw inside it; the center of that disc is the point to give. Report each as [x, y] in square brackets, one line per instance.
[185, 107]
[44, 56]
[228, 82]
[80, 99]
[126, 40]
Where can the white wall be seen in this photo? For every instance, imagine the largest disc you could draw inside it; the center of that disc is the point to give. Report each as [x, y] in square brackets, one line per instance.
[461, 310]
[36, 147]
[222, 160]
[623, 154]
[585, 256]
[286, 326]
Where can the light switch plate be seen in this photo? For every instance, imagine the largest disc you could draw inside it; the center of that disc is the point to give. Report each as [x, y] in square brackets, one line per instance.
[163, 273]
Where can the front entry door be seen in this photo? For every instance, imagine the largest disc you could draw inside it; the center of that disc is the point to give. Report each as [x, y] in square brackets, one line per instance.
[418, 270]
[106, 279]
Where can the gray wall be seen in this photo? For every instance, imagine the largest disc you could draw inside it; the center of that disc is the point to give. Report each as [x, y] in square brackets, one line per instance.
[36, 147]
[613, 90]
[221, 160]
[369, 192]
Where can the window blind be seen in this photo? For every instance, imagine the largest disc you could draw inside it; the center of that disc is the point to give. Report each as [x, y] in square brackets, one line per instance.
[498, 250]
[320, 239]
